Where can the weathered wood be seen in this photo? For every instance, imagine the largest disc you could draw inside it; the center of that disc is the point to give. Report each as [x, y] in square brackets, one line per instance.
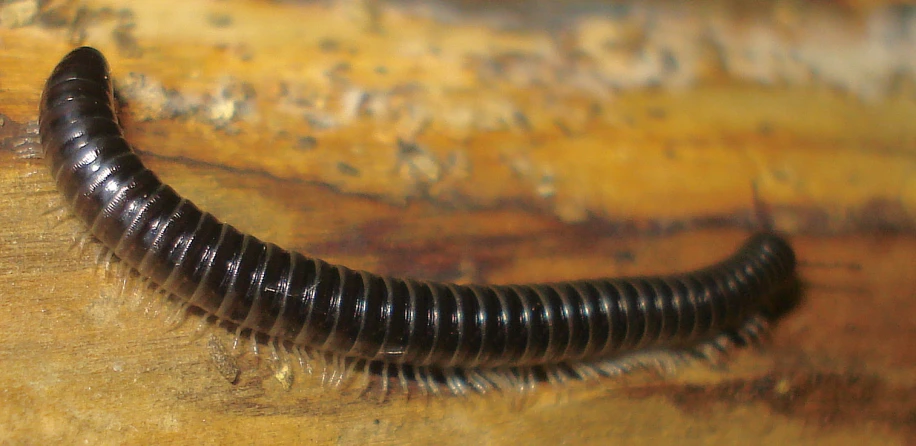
[370, 135]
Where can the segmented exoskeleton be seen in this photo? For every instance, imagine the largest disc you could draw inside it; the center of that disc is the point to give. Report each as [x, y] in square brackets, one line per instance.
[441, 328]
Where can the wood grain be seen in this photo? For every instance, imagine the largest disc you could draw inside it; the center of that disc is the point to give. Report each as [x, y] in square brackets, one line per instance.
[446, 146]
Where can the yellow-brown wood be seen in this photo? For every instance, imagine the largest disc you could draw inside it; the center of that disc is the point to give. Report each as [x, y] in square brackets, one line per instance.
[391, 139]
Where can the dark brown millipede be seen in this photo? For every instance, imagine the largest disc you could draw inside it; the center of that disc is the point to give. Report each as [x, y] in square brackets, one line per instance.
[466, 335]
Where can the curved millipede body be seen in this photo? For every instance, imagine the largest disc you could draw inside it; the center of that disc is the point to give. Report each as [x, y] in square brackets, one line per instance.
[308, 303]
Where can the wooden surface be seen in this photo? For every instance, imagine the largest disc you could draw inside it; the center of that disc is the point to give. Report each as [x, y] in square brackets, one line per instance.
[480, 143]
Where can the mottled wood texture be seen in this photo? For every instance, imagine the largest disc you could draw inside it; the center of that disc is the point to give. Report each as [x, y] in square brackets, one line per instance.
[498, 143]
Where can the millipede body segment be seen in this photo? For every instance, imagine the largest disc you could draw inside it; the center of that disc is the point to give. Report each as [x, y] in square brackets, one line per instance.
[312, 304]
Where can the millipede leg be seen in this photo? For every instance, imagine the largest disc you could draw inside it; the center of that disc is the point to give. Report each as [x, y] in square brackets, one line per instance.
[383, 394]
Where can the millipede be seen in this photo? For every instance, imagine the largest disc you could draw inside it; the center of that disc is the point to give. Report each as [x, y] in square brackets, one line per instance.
[466, 337]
